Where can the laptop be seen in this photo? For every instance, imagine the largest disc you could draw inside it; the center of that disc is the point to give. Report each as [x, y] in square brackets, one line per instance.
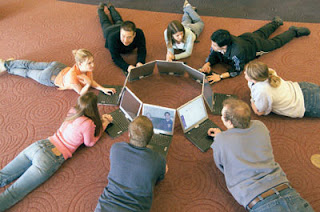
[163, 120]
[112, 99]
[141, 71]
[195, 123]
[214, 100]
[170, 68]
[195, 74]
[130, 107]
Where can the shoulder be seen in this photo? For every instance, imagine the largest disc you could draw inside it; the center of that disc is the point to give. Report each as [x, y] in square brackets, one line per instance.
[139, 32]
[258, 124]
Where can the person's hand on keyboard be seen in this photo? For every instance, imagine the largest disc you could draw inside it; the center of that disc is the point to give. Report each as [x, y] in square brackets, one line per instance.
[212, 132]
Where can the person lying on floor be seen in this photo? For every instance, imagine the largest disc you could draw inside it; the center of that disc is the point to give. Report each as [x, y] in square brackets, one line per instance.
[270, 93]
[134, 171]
[121, 38]
[39, 161]
[79, 77]
[243, 153]
[182, 35]
[236, 51]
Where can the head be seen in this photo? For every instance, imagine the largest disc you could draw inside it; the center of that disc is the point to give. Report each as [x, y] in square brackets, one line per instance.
[127, 32]
[175, 32]
[256, 71]
[140, 131]
[84, 59]
[220, 40]
[167, 116]
[236, 114]
[87, 106]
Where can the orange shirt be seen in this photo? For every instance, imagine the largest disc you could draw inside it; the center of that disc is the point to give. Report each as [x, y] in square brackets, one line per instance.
[69, 76]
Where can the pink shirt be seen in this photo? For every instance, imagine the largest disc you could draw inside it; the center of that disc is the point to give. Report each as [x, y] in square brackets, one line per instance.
[72, 134]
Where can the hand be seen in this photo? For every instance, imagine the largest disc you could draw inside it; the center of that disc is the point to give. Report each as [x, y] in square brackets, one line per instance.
[107, 118]
[139, 64]
[206, 68]
[84, 79]
[214, 78]
[169, 56]
[167, 168]
[213, 132]
[130, 68]
[109, 91]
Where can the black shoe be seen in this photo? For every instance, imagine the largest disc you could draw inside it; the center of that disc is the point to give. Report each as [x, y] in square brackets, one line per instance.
[300, 31]
[277, 20]
[101, 5]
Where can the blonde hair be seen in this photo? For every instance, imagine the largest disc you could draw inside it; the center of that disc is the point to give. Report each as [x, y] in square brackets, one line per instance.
[81, 55]
[259, 71]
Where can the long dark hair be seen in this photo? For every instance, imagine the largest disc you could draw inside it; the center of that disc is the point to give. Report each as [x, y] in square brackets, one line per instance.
[87, 106]
[174, 27]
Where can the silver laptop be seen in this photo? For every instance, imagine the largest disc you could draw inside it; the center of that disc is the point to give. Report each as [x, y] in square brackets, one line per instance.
[141, 71]
[130, 107]
[170, 68]
[163, 120]
[194, 74]
[195, 123]
[214, 100]
[113, 99]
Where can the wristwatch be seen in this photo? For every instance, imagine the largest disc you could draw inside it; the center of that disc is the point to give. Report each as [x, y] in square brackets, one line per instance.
[221, 76]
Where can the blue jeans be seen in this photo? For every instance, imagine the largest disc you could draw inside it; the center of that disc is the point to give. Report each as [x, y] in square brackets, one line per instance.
[284, 201]
[33, 166]
[311, 96]
[192, 20]
[38, 71]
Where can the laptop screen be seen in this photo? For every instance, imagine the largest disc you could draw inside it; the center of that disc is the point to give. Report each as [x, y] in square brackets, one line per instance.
[192, 113]
[162, 118]
[194, 74]
[130, 104]
[207, 94]
[142, 71]
[171, 68]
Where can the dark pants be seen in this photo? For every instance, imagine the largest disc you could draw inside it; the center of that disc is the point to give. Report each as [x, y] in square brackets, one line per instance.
[265, 45]
[106, 24]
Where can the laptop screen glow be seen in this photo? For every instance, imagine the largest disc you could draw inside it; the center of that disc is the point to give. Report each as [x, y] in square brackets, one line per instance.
[207, 94]
[192, 113]
[130, 104]
[162, 118]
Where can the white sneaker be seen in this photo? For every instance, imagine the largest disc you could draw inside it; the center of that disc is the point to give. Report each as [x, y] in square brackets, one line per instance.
[2, 67]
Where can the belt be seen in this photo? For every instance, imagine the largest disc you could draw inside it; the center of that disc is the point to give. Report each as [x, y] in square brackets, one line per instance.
[56, 152]
[268, 193]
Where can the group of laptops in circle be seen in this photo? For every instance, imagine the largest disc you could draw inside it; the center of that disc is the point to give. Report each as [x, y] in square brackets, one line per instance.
[193, 114]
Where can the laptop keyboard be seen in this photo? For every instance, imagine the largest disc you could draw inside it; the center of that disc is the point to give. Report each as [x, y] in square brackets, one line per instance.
[161, 140]
[109, 99]
[120, 120]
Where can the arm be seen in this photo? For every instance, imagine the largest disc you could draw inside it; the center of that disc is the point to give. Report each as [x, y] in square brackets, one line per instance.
[141, 45]
[216, 77]
[115, 54]
[255, 110]
[107, 91]
[169, 49]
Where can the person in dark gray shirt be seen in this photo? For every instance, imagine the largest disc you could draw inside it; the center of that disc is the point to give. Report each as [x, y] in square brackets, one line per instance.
[243, 153]
[122, 37]
[134, 171]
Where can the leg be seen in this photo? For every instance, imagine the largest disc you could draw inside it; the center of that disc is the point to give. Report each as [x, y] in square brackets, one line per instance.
[192, 20]
[265, 31]
[104, 21]
[311, 96]
[115, 15]
[44, 164]
[38, 71]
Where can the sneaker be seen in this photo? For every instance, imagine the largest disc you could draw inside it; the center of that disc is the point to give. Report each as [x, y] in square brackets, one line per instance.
[109, 5]
[277, 20]
[186, 3]
[300, 31]
[315, 159]
[2, 67]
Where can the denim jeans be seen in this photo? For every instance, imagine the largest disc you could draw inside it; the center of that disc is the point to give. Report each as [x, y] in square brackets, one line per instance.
[285, 201]
[192, 20]
[33, 166]
[38, 71]
[311, 96]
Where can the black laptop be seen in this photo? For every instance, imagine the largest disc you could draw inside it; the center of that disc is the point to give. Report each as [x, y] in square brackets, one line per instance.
[170, 68]
[141, 71]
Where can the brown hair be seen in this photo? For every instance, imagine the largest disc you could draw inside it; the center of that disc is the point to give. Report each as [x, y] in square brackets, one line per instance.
[174, 27]
[81, 55]
[87, 106]
[141, 131]
[238, 112]
[259, 71]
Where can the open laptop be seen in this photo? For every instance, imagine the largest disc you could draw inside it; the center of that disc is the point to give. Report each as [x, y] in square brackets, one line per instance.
[195, 123]
[195, 74]
[170, 68]
[130, 107]
[141, 71]
[163, 125]
[113, 99]
[214, 100]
